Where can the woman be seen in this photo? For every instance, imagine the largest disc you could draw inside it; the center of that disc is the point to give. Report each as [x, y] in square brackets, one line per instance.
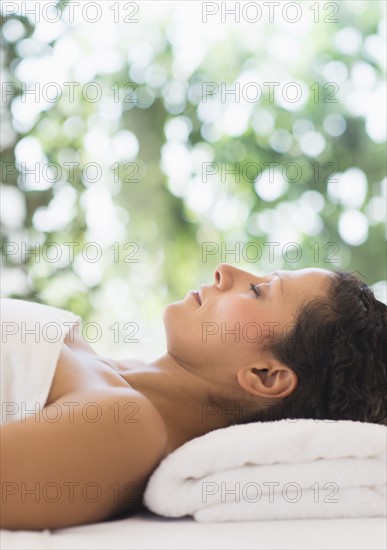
[301, 344]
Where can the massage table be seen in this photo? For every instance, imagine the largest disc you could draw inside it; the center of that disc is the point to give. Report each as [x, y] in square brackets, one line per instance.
[146, 530]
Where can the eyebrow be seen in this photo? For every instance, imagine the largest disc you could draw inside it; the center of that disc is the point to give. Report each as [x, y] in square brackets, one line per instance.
[280, 279]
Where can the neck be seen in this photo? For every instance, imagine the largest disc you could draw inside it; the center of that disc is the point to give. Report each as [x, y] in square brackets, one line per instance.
[179, 395]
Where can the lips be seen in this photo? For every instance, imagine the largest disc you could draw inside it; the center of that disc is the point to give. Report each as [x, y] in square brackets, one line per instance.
[196, 295]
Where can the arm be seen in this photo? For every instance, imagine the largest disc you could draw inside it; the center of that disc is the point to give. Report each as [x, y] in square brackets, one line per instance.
[74, 470]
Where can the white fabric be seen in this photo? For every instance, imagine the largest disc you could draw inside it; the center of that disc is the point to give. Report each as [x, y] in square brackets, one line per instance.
[287, 469]
[147, 531]
[31, 339]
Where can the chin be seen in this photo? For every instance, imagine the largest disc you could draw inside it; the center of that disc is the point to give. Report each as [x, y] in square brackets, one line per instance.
[169, 317]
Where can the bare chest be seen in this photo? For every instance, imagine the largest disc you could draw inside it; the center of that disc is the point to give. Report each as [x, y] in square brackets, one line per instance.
[79, 368]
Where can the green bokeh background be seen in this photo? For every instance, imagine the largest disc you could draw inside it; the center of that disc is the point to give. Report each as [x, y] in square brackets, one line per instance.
[171, 210]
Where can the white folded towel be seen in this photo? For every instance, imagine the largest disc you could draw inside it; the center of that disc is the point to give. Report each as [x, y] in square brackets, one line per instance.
[286, 469]
[31, 339]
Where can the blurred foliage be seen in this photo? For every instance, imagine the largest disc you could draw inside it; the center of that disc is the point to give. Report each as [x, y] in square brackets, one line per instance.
[152, 189]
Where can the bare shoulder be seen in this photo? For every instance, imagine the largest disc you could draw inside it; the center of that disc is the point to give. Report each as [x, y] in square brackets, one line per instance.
[151, 428]
[138, 417]
[88, 455]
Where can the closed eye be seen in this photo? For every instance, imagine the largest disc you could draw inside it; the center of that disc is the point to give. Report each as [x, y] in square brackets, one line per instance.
[255, 289]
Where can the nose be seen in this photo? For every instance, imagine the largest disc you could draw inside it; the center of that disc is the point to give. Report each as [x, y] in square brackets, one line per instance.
[224, 275]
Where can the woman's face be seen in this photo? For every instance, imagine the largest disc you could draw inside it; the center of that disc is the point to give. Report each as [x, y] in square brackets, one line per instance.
[226, 330]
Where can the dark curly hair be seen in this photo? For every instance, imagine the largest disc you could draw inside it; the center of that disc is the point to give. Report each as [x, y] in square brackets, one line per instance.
[338, 349]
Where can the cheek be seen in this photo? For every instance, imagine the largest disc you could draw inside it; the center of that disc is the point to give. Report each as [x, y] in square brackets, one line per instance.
[239, 311]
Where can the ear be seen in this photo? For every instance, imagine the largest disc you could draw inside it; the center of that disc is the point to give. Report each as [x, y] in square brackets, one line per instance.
[268, 378]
